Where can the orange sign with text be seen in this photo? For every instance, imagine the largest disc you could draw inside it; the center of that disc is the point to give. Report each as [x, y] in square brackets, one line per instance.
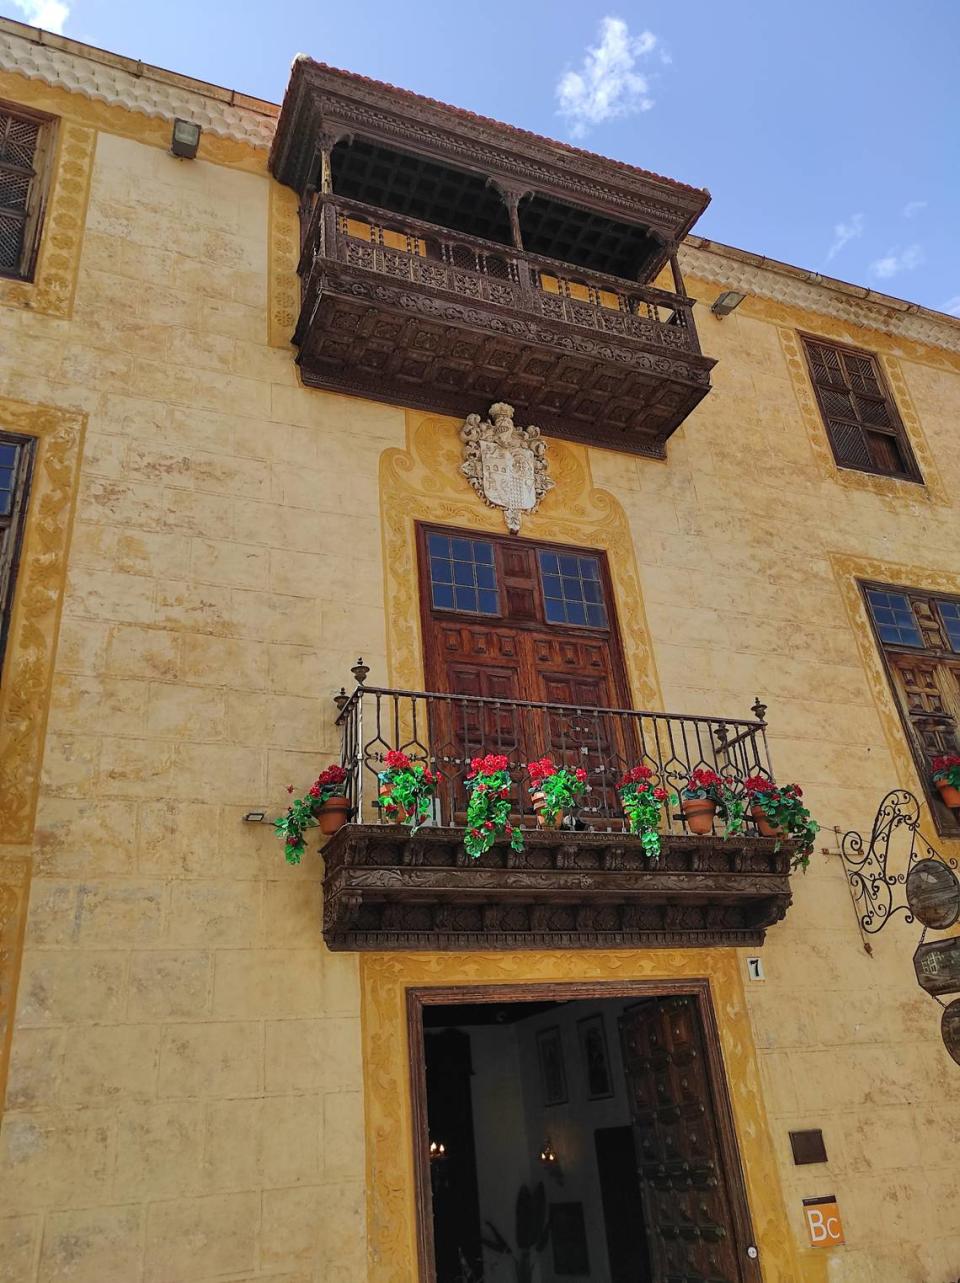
[823, 1221]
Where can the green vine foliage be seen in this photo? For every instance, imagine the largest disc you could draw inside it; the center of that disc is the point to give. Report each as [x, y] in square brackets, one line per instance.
[302, 810]
[643, 805]
[562, 786]
[784, 810]
[407, 786]
[488, 811]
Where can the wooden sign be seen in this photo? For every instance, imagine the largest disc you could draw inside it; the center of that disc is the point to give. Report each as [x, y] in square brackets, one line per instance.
[938, 966]
[950, 1029]
[823, 1221]
[933, 894]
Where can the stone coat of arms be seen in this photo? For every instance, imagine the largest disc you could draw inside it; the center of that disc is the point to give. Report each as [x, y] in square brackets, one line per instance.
[506, 465]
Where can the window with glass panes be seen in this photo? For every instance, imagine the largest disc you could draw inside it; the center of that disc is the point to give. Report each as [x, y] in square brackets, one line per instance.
[462, 575]
[572, 590]
[919, 636]
[859, 413]
[16, 462]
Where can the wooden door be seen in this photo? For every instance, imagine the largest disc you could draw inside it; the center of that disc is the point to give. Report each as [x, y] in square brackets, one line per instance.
[691, 1229]
[513, 620]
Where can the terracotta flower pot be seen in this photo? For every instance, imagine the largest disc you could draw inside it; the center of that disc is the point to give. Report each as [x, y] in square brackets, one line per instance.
[698, 813]
[399, 816]
[948, 794]
[539, 802]
[332, 814]
[764, 827]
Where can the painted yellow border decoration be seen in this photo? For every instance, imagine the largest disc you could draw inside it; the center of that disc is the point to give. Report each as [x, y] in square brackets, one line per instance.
[385, 979]
[424, 483]
[14, 895]
[35, 622]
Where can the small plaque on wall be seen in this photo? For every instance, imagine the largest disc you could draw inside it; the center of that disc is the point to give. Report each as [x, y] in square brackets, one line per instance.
[824, 1225]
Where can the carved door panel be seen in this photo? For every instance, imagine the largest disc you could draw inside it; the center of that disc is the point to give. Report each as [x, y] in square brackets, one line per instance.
[495, 615]
[690, 1224]
[927, 705]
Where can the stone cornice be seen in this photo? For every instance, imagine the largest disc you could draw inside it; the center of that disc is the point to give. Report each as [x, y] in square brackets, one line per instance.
[109, 78]
[799, 288]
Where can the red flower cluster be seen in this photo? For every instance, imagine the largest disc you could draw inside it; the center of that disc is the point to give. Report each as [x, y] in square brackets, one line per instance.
[636, 775]
[758, 784]
[397, 761]
[539, 770]
[489, 765]
[704, 778]
[332, 775]
[946, 761]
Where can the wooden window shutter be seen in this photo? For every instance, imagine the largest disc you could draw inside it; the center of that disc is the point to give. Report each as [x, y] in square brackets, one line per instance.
[861, 418]
[16, 467]
[24, 153]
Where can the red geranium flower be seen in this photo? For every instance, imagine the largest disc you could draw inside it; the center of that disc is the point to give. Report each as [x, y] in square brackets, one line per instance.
[397, 761]
[660, 794]
[580, 774]
[636, 775]
[758, 784]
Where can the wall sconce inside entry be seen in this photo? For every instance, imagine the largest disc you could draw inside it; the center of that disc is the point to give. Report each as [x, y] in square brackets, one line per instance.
[549, 1161]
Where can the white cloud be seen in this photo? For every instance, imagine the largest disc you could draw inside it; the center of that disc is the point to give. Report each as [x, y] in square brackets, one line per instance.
[952, 306]
[895, 261]
[914, 207]
[49, 14]
[607, 85]
[843, 232]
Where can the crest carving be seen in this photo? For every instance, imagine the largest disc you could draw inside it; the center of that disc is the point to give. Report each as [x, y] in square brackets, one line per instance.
[506, 465]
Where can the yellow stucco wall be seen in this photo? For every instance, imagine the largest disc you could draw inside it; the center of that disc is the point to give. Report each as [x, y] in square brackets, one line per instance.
[185, 1095]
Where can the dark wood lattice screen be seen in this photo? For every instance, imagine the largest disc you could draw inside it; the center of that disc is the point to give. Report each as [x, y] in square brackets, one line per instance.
[19, 146]
[16, 464]
[861, 418]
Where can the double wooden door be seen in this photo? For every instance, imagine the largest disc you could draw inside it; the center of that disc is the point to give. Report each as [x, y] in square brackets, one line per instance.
[510, 620]
[694, 1206]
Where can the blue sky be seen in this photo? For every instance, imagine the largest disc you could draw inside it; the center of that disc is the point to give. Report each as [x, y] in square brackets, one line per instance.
[827, 132]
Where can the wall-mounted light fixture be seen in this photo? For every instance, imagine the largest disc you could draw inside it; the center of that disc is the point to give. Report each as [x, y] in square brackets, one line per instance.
[254, 817]
[438, 1151]
[185, 138]
[549, 1161]
[726, 302]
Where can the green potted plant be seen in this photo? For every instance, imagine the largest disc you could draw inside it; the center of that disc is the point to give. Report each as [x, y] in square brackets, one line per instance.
[706, 795]
[642, 804]
[778, 811]
[488, 811]
[554, 790]
[325, 806]
[532, 1230]
[946, 776]
[406, 789]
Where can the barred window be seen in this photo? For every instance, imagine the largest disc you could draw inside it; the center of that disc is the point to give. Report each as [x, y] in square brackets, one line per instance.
[859, 413]
[919, 637]
[16, 465]
[24, 146]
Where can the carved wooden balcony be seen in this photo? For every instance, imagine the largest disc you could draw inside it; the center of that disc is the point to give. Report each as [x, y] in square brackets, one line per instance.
[400, 310]
[584, 887]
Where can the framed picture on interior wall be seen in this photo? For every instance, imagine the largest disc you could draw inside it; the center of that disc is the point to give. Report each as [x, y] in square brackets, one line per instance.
[594, 1057]
[553, 1073]
[569, 1236]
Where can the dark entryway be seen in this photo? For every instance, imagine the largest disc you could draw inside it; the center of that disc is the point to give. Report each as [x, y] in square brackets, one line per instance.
[586, 1137]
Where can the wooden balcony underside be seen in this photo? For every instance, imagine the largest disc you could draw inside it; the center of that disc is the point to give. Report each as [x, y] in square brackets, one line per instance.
[384, 889]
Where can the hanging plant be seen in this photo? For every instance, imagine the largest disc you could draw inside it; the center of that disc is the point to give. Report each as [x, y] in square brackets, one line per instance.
[488, 811]
[779, 812]
[324, 806]
[554, 790]
[707, 794]
[642, 804]
[946, 776]
[406, 790]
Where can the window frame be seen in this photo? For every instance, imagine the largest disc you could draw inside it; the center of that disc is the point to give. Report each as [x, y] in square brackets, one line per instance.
[39, 189]
[947, 823]
[912, 472]
[11, 546]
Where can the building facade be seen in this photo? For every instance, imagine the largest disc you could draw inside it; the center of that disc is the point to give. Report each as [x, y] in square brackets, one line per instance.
[235, 400]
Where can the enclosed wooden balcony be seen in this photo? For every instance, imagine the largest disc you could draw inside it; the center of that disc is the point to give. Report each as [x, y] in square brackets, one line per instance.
[450, 261]
[588, 885]
[403, 311]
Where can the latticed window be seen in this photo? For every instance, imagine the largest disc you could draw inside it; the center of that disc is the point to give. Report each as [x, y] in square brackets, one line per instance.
[16, 464]
[23, 150]
[861, 418]
[919, 635]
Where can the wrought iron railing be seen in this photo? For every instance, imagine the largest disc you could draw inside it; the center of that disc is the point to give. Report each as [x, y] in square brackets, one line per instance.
[446, 731]
[420, 253]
